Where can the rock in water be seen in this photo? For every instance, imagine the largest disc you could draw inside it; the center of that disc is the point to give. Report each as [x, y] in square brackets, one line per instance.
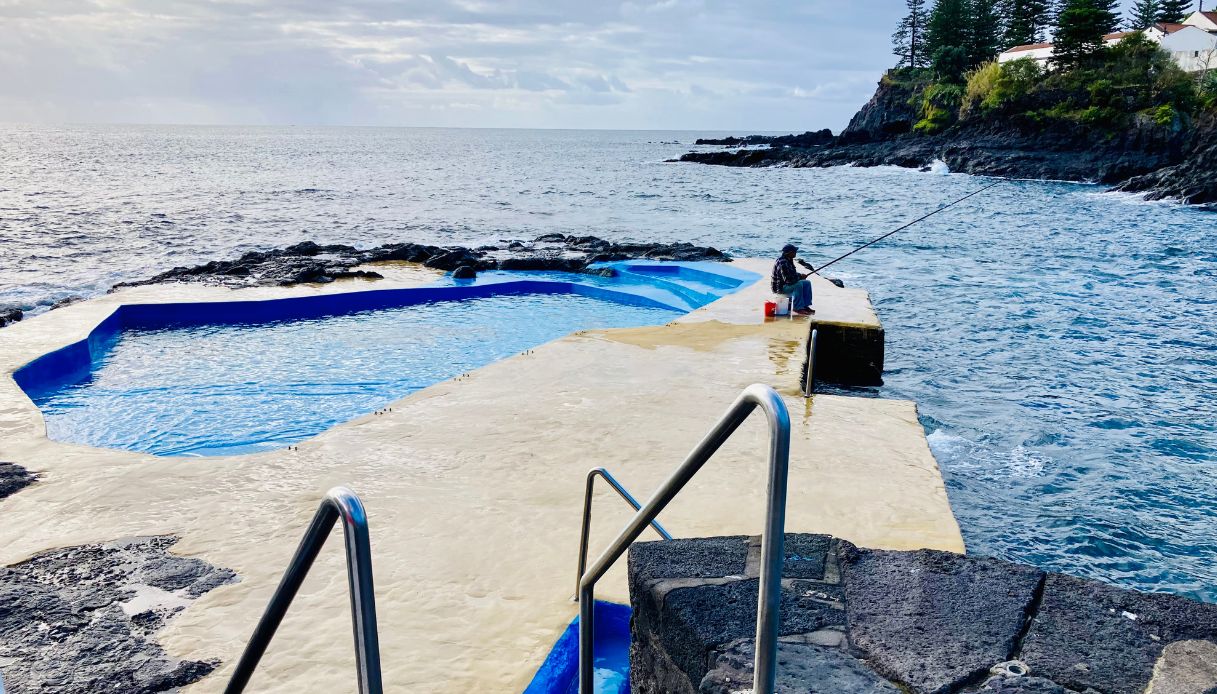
[465, 272]
[10, 315]
[310, 262]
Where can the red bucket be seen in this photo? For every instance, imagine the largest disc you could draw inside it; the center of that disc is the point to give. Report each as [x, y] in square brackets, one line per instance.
[771, 308]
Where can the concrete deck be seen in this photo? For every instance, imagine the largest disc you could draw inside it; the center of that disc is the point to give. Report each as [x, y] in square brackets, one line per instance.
[474, 488]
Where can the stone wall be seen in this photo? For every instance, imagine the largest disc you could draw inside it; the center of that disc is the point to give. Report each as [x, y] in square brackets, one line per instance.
[926, 622]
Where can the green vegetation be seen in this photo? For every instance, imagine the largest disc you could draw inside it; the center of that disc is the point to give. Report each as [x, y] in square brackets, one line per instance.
[1144, 14]
[909, 40]
[1208, 91]
[1026, 21]
[994, 87]
[939, 107]
[1080, 30]
[1089, 83]
[1174, 11]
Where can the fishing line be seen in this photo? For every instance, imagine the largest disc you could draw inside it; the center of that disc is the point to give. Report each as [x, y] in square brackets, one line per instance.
[906, 226]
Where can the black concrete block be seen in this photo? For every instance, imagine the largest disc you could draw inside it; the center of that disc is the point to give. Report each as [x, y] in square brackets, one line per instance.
[1090, 634]
[709, 557]
[695, 622]
[931, 620]
[802, 668]
[805, 556]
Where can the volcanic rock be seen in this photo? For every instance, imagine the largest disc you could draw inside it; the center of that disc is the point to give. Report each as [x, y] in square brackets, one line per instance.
[14, 478]
[310, 262]
[66, 622]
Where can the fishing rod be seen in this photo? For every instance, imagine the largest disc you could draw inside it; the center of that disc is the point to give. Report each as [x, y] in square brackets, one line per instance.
[906, 226]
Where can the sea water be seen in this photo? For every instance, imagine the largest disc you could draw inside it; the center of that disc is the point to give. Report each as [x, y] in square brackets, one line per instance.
[1061, 342]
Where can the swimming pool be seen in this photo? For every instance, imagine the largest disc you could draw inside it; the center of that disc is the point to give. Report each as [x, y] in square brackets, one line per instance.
[230, 378]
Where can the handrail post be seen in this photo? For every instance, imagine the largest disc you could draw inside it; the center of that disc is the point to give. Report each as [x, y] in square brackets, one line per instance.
[585, 531]
[339, 503]
[772, 543]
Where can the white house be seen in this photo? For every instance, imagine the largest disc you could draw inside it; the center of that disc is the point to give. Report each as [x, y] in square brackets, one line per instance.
[1042, 52]
[1193, 44]
[1193, 48]
[1204, 20]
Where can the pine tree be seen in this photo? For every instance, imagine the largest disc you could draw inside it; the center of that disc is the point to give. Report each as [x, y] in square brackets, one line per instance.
[1025, 21]
[947, 26]
[1111, 14]
[1080, 31]
[984, 31]
[908, 42]
[1174, 11]
[1144, 14]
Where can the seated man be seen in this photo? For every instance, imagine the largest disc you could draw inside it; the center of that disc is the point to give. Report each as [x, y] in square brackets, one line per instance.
[787, 280]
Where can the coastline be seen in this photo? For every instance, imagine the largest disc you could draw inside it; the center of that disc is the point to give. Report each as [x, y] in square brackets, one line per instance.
[1158, 163]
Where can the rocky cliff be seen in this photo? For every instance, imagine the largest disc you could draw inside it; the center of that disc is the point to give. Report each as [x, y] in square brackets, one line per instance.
[1144, 157]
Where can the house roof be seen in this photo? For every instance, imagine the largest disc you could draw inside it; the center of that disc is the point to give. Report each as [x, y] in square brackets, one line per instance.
[1170, 28]
[1118, 35]
[1212, 16]
[1029, 47]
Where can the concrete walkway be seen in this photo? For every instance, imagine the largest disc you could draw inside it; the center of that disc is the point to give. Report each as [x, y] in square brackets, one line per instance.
[474, 488]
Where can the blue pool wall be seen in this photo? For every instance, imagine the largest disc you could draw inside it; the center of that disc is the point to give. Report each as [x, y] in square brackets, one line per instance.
[638, 283]
[559, 674]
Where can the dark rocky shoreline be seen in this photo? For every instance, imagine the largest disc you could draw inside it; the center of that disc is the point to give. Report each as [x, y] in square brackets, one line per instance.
[1160, 163]
[919, 622]
[309, 262]
[83, 619]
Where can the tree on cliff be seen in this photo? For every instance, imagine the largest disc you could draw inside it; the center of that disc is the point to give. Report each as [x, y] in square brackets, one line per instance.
[1080, 31]
[947, 38]
[1025, 21]
[908, 43]
[1174, 11]
[984, 30]
[1144, 14]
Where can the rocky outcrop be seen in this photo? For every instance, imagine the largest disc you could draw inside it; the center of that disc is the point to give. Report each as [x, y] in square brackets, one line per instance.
[14, 478]
[890, 112]
[309, 262]
[1064, 153]
[1159, 161]
[10, 315]
[807, 139]
[1192, 181]
[925, 622]
[83, 619]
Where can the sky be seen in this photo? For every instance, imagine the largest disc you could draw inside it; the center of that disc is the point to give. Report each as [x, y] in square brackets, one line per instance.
[743, 65]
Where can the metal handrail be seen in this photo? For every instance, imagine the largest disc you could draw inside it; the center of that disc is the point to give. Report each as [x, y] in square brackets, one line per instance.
[587, 515]
[339, 502]
[809, 365]
[769, 602]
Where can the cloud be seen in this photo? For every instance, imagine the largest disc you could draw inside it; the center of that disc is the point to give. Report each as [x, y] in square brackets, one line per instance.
[699, 64]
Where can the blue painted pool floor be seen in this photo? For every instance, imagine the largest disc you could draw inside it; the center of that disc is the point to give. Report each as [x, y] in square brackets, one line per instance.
[559, 674]
[232, 389]
[232, 378]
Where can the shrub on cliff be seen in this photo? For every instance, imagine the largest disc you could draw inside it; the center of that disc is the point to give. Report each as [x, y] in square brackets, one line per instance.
[996, 86]
[939, 107]
[1208, 90]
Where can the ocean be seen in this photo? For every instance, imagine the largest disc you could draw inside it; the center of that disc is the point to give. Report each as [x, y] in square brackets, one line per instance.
[1060, 341]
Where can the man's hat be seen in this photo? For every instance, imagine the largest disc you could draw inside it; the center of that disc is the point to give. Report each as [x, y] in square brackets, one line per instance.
[790, 247]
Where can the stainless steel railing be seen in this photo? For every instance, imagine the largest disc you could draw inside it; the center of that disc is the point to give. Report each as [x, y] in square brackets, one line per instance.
[339, 503]
[769, 602]
[587, 515]
[809, 363]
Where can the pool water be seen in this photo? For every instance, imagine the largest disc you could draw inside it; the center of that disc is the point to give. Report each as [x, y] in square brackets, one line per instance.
[235, 389]
[559, 674]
